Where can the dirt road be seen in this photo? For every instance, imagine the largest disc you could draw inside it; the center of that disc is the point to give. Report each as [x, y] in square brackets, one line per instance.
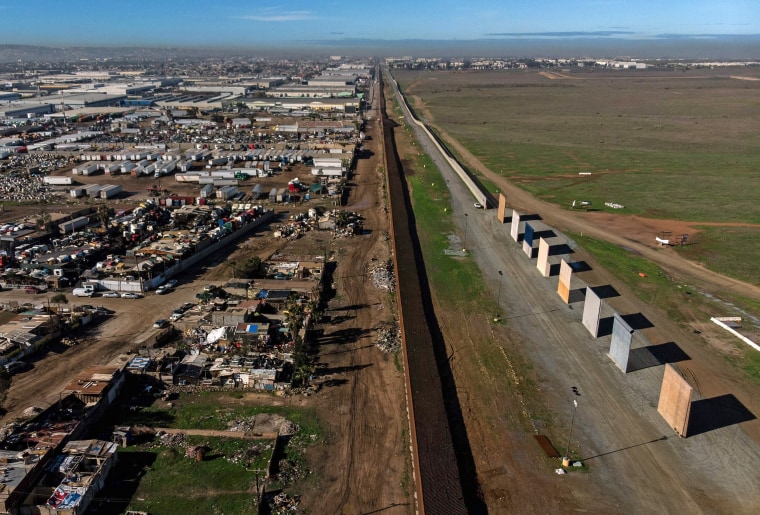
[364, 469]
[636, 463]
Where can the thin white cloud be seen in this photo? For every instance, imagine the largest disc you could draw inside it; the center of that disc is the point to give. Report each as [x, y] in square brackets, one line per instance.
[276, 15]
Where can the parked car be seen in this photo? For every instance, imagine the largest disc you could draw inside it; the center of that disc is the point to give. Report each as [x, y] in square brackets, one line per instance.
[162, 289]
[171, 283]
[160, 323]
[14, 366]
[478, 205]
[130, 295]
[111, 295]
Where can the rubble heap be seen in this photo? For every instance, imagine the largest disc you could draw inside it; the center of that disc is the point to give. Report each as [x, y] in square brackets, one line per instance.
[282, 503]
[172, 439]
[248, 456]
[382, 276]
[389, 339]
[288, 428]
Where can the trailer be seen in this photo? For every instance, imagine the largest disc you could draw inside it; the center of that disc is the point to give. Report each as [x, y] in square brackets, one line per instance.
[257, 191]
[226, 192]
[207, 190]
[73, 225]
[166, 168]
[223, 174]
[225, 182]
[85, 169]
[93, 190]
[76, 192]
[183, 177]
[217, 161]
[109, 191]
[128, 167]
[57, 180]
[273, 195]
[112, 168]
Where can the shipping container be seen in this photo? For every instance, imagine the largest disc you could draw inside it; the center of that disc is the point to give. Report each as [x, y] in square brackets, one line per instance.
[207, 190]
[58, 181]
[128, 167]
[225, 182]
[73, 225]
[109, 191]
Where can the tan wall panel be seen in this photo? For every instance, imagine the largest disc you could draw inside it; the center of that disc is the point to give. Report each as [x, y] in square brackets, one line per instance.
[501, 214]
[564, 292]
[675, 400]
[563, 288]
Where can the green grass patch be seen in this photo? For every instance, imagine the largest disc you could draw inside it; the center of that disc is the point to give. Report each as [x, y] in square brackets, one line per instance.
[647, 280]
[174, 483]
[725, 249]
[455, 278]
[209, 411]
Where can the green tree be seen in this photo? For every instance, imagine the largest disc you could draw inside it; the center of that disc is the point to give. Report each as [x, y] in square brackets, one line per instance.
[44, 221]
[249, 268]
[104, 213]
[59, 298]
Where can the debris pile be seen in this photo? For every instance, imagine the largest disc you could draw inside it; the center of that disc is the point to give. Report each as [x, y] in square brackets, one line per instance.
[614, 205]
[288, 428]
[382, 276]
[171, 439]
[248, 456]
[196, 452]
[389, 339]
[282, 503]
[31, 411]
[290, 472]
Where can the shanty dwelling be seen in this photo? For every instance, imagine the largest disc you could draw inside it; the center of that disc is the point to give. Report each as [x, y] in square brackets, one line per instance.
[77, 474]
[191, 369]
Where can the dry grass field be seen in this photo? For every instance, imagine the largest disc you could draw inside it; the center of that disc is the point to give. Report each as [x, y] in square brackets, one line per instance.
[635, 464]
[667, 145]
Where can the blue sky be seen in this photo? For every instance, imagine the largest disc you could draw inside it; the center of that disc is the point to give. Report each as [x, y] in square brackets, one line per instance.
[296, 23]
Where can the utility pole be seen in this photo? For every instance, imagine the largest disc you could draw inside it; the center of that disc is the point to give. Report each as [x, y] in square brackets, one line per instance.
[464, 244]
[498, 297]
[566, 459]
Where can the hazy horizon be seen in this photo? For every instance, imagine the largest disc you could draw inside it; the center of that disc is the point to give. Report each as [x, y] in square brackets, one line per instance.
[648, 29]
[723, 48]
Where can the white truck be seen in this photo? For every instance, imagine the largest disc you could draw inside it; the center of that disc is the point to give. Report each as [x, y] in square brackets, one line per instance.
[87, 290]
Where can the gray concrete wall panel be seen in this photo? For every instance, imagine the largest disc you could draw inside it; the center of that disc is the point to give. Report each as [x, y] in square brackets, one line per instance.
[515, 228]
[620, 345]
[592, 309]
